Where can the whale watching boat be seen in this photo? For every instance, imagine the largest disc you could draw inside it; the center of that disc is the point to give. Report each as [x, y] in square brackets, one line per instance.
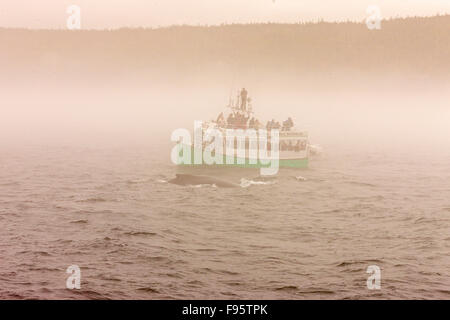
[293, 144]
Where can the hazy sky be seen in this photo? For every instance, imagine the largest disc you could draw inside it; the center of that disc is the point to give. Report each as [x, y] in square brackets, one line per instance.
[152, 13]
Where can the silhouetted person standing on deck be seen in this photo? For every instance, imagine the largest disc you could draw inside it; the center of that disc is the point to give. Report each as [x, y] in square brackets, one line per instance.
[230, 120]
[244, 95]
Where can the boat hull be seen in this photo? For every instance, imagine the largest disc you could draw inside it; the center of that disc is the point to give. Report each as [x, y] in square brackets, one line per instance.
[225, 161]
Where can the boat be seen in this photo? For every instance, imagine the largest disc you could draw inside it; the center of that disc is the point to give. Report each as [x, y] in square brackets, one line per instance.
[289, 150]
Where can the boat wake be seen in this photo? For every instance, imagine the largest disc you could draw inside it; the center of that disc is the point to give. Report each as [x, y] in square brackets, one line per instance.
[245, 183]
[315, 150]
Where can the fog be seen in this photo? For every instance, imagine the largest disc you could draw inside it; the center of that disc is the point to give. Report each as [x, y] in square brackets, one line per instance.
[404, 118]
[352, 89]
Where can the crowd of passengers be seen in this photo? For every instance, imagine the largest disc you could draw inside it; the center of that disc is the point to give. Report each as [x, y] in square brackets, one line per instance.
[240, 121]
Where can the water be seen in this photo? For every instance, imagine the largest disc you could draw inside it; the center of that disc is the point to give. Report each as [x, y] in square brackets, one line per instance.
[304, 235]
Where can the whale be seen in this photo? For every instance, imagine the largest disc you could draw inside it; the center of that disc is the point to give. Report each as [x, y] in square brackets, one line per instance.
[192, 180]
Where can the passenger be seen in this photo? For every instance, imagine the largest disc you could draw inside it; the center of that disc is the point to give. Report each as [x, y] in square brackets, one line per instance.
[251, 124]
[221, 120]
[245, 122]
[288, 124]
[238, 123]
[230, 120]
[244, 94]
[272, 124]
[290, 147]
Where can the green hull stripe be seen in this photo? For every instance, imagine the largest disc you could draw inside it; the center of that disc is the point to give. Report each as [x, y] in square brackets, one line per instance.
[289, 163]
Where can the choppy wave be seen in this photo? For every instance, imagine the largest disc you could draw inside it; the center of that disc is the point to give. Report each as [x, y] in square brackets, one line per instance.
[245, 183]
[307, 234]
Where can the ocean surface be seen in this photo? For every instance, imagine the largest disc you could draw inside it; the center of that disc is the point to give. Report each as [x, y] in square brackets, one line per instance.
[305, 234]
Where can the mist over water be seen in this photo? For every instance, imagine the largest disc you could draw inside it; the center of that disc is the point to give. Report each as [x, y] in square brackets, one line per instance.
[414, 119]
[85, 165]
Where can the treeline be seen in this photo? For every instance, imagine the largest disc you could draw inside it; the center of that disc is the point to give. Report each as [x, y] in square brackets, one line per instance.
[411, 45]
